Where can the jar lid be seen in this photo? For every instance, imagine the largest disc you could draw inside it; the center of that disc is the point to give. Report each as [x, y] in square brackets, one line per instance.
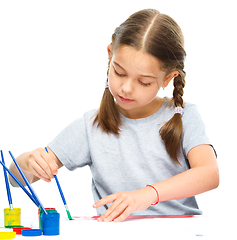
[7, 235]
[19, 229]
[31, 232]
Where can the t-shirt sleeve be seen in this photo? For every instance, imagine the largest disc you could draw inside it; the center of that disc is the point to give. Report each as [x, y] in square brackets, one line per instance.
[194, 133]
[71, 145]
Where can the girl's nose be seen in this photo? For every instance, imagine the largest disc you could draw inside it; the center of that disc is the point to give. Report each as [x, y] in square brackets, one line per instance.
[127, 86]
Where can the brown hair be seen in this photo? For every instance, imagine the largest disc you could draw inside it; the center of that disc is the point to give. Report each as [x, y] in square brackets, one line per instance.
[160, 36]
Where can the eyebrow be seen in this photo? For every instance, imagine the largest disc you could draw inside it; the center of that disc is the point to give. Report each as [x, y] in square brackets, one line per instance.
[146, 76]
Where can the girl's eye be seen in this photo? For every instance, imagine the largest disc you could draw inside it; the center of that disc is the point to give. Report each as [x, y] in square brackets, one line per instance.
[123, 75]
[120, 75]
[144, 84]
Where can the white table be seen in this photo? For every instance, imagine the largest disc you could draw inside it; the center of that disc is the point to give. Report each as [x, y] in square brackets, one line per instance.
[152, 227]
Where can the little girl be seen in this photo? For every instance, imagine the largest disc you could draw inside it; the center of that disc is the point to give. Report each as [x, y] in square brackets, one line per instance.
[147, 155]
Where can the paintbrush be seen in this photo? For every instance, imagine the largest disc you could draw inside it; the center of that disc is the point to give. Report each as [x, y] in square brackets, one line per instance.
[61, 193]
[28, 183]
[20, 184]
[9, 196]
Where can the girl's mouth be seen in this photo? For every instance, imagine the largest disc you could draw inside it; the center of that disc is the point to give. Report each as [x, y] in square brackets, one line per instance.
[126, 100]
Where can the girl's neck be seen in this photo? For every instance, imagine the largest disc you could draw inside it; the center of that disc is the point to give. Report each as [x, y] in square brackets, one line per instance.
[145, 111]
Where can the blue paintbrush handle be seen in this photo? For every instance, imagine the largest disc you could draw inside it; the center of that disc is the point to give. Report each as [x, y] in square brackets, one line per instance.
[58, 184]
[28, 183]
[19, 183]
[7, 184]
[60, 190]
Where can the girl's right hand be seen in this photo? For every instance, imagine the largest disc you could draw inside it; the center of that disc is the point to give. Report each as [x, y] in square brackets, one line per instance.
[39, 164]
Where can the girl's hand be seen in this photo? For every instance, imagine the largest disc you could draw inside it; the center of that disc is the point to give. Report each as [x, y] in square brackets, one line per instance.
[41, 164]
[38, 164]
[125, 203]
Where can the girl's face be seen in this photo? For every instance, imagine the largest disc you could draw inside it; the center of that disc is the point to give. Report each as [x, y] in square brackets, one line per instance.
[135, 78]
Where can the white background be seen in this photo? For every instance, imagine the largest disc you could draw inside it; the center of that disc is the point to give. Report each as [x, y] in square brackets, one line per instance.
[53, 65]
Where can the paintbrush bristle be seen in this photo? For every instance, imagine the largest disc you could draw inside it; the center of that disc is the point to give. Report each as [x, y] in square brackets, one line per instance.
[69, 215]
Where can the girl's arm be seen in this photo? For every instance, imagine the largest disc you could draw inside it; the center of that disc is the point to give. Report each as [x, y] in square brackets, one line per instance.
[201, 177]
[36, 164]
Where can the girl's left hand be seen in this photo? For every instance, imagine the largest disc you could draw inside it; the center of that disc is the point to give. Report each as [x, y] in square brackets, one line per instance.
[125, 203]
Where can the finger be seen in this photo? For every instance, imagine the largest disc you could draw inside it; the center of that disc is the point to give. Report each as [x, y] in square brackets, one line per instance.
[39, 164]
[49, 160]
[44, 166]
[104, 217]
[43, 159]
[39, 172]
[118, 211]
[105, 200]
[124, 215]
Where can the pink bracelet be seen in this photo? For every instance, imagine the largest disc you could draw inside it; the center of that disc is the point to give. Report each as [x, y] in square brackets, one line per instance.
[158, 197]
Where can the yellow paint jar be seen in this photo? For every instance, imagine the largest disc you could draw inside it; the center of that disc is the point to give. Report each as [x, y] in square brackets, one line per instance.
[12, 217]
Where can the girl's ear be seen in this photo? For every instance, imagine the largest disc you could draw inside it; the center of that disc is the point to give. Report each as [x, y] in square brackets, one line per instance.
[169, 77]
[109, 49]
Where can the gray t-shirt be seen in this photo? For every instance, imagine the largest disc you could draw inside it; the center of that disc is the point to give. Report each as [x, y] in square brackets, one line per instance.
[134, 159]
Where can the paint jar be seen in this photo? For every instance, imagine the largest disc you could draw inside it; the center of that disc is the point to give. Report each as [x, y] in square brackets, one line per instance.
[12, 217]
[40, 212]
[50, 223]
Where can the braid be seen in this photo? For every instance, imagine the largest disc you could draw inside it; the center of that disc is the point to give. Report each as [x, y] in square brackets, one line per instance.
[108, 115]
[172, 131]
[179, 84]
